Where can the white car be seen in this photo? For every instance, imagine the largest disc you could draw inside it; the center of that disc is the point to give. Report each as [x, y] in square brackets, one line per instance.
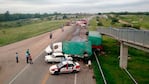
[57, 57]
[65, 67]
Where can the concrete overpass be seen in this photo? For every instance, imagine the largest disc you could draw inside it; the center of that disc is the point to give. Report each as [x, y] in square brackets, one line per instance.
[128, 37]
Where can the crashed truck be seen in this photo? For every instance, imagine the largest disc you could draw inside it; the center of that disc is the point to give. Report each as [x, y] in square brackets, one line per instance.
[78, 49]
[75, 49]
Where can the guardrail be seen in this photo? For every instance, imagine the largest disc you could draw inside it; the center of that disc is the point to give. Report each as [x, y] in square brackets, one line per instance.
[99, 66]
[130, 35]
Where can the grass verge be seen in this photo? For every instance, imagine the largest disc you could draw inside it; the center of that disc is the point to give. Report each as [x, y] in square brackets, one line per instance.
[11, 35]
[92, 24]
[137, 65]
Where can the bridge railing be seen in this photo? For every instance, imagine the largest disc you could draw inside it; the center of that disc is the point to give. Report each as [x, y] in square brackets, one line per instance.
[138, 37]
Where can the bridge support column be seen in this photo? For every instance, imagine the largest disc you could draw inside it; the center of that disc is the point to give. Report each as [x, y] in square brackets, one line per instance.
[123, 56]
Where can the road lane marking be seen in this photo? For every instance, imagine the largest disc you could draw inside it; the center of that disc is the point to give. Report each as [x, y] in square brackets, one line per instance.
[45, 78]
[23, 70]
[18, 74]
[75, 79]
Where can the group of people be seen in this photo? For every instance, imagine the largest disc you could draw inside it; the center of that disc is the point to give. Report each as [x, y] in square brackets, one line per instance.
[28, 57]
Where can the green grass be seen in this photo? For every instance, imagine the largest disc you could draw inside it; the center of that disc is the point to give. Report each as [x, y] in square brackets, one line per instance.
[92, 24]
[14, 34]
[138, 65]
[97, 73]
[18, 23]
[13, 31]
[136, 20]
[108, 23]
[110, 64]
[141, 20]
[105, 22]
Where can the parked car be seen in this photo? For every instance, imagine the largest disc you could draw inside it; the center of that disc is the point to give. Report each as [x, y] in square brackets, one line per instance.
[65, 67]
[57, 57]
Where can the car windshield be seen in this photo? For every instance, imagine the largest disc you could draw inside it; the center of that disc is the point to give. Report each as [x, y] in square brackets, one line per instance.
[60, 65]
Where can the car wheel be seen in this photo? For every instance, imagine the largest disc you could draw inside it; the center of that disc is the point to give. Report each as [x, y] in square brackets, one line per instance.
[56, 73]
[74, 71]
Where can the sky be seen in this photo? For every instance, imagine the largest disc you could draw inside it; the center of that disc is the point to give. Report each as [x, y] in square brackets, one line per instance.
[73, 6]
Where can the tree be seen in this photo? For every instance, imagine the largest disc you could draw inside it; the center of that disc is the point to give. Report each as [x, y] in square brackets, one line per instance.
[99, 24]
[7, 16]
[65, 16]
[99, 13]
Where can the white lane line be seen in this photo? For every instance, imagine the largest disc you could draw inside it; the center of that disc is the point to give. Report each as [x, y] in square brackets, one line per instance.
[18, 74]
[75, 79]
[23, 70]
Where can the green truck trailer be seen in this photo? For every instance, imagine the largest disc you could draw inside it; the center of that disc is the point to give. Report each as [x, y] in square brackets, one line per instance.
[96, 39]
[77, 48]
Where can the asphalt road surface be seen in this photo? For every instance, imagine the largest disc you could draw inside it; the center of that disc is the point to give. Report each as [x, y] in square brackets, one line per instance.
[8, 66]
[37, 73]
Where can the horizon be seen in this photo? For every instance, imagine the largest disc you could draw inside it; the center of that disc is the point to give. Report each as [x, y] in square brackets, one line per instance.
[73, 6]
[78, 13]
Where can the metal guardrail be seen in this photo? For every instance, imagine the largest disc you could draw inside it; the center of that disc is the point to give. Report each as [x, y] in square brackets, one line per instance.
[99, 66]
[130, 35]
[132, 78]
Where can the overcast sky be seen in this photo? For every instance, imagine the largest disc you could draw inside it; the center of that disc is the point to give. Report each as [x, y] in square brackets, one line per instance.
[73, 6]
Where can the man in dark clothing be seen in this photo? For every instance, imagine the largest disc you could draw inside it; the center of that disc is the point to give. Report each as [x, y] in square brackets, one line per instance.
[17, 58]
[30, 59]
[50, 35]
[27, 55]
[85, 57]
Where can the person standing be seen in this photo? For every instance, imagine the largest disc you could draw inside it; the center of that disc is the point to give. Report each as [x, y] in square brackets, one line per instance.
[85, 59]
[30, 59]
[62, 28]
[50, 35]
[17, 58]
[27, 55]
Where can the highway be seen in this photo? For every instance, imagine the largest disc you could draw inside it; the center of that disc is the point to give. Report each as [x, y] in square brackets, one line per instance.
[37, 73]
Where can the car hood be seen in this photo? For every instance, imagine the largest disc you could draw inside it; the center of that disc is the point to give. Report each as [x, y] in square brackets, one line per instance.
[53, 67]
[48, 57]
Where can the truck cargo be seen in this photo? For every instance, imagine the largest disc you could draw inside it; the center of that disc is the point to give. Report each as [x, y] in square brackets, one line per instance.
[77, 48]
[71, 48]
[95, 38]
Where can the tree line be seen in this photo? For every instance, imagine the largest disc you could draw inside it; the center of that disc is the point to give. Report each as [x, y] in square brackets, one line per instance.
[126, 13]
[11, 17]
